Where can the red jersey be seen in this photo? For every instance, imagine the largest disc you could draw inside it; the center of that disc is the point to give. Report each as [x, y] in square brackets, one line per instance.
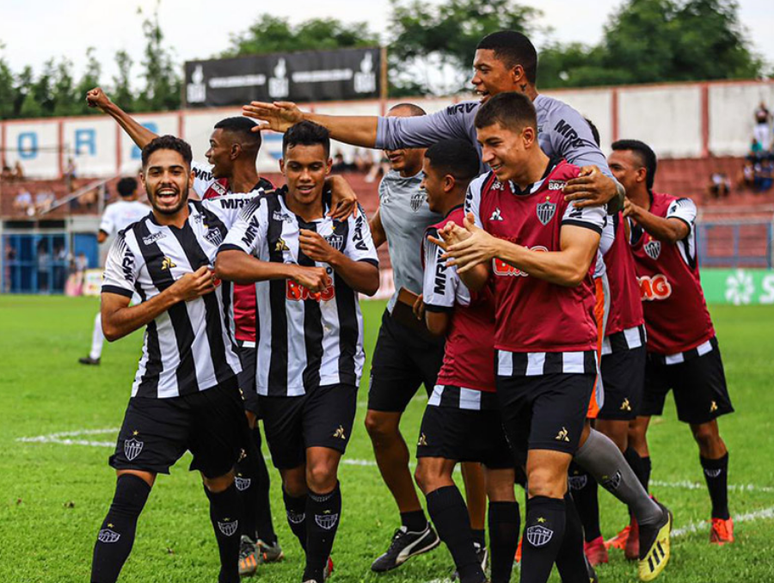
[676, 315]
[468, 360]
[244, 295]
[552, 327]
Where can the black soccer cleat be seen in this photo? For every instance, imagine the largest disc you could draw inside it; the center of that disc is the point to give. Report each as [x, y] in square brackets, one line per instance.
[248, 557]
[654, 546]
[88, 360]
[483, 559]
[405, 545]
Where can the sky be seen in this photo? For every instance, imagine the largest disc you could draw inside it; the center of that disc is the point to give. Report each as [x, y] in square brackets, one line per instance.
[35, 30]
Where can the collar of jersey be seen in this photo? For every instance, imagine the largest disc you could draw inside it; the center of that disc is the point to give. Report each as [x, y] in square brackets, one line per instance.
[281, 192]
[192, 210]
[535, 186]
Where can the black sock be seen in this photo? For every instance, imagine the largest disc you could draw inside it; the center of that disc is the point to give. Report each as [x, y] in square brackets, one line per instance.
[584, 489]
[116, 536]
[543, 536]
[449, 514]
[503, 538]
[571, 560]
[479, 537]
[323, 512]
[295, 510]
[646, 466]
[225, 513]
[716, 475]
[246, 482]
[264, 525]
[640, 466]
[414, 521]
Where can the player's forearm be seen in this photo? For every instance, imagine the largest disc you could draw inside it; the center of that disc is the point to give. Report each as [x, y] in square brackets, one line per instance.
[476, 277]
[617, 202]
[239, 267]
[140, 134]
[566, 267]
[119, 323]
[437, 322]
[665, 230]
[361, 276]
[378, 235]
[358, 130]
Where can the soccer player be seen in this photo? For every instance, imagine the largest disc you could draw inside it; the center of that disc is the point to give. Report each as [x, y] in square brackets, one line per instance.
[462, 421]
[682, 349]
[185, 394]
[538, 250]
[504, 61]
[116, 218]
[309, 269]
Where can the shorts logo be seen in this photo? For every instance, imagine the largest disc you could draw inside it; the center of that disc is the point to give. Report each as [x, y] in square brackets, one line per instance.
[496, 215]
[281, 246]
[242, 484]
[108, 536]
[626, 406]
[563, 435]
[545, 211]
[296, 518]
[713, 407]
[326, 521]
[339, 433]
[132, 448]
[539, 536]
[167, 264]
[611, 483]
[578, 482]
[653, 249]
[417, 200]
[422, 440]
[228, 528]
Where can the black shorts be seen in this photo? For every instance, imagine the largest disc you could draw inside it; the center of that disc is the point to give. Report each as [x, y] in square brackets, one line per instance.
[321, 418]
[211, 424]
[623, 378]
[544, 412]
[248, 354]
[402, 361]
[464, 435]
[699, 384]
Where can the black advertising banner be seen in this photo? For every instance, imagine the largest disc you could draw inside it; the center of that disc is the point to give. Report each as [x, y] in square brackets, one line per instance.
[310, 76]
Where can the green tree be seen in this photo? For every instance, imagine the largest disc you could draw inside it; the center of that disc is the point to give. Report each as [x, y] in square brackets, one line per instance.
[122, 83]
[426, 38]
[64, 90]
[89, 80]
[162, 82]
[39, 99]
[7, 88]
[272, 34]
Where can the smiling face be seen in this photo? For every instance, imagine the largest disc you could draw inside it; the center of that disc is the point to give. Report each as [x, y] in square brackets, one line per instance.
[404, 160]
[220, 153]
[305, 169]
[434, 183]
[491, 75]
[506, 151]
[628, 169]
[166, 178]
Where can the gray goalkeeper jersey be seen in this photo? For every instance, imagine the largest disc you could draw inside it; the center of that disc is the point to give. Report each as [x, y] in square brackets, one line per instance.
[405, 216]
[562, 131]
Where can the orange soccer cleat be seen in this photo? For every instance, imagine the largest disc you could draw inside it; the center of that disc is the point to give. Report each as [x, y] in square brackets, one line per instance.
[595, 551]
[722, 531]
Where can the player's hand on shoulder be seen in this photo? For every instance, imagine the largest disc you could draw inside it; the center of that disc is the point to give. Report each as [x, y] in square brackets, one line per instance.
[195, 285]
[97, 98]
[315, 279]
[277, 116]
[630, 209]
[590, 188]
[343, 198]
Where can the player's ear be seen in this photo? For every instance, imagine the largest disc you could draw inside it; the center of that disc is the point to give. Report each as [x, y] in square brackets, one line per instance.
[142, 178]
[641, 174]
[528, 134]
[517, 74]
[282, 166]
[448, 183]
[328, 166]
[236, 150]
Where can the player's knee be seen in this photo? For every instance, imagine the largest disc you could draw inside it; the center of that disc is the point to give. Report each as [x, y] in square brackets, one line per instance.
[546, 482]
[379, 428]
[219, 484]
[706, 435]
[320, 477]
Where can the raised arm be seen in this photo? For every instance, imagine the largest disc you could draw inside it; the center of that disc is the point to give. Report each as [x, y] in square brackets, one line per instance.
[670, 229]
[140, 134]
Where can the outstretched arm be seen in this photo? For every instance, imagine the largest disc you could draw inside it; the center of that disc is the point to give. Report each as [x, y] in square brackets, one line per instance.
[140, 134]
[668, 230]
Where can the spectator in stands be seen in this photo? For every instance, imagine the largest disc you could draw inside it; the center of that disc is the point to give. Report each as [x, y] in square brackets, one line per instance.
[339, 164]
[719, 186]
[756, 150]
[23, 202]
[363, 160]
[746, 179]
[18, 171]
[43, 265]
[44, 200]
[70, 174]
[10, 256]
[81, 262]
[764, 175]
[762, 130]
[7, 174]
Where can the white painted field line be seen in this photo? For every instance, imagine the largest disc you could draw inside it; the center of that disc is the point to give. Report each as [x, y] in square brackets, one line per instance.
[685, 484]
[694, 527]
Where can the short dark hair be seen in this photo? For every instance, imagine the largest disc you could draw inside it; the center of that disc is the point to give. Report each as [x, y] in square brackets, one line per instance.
[594, 131]
[646, 155]
[412, 108]
[510, 109]
[167, 143]
[126, 186]
[306, 133]
[456, 157]
[243, 128]
[513, 48]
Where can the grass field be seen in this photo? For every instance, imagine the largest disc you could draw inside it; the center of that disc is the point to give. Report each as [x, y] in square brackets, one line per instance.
[56, 490]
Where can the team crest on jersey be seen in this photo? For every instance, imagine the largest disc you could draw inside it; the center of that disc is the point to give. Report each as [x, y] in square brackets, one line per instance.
[418, 199]
[228, 528]
[539, 536]
[242, 484]
[335, 241]
[653, 249]
[132, 448]
[545, 211]
[214, 236]
[108, 536]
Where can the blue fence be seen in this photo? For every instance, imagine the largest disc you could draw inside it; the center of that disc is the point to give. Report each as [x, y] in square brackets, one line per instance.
[725, 243]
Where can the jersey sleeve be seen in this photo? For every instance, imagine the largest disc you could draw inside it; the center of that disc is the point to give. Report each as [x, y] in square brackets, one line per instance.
[439, 284]
[121, 268]
[360, 245]
[228, 208]
[473, 199]
[248, 231]
[608, 237]
[422, 131]
[202, 177]
[685, 210]
[570, 137]
[108, 222]
[594, 218]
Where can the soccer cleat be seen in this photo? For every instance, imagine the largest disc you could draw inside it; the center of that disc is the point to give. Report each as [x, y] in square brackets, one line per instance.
[328, 569]
[632, 548]
[248, 557]
[89, 360]
[483, 558]
[269, 553]
[619, 540]
[404, 545]
[722, 531]
[592, 574]
[517, 556]
[654, 546]
[595, 551]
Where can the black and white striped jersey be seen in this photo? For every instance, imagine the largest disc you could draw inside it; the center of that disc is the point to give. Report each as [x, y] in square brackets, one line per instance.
[305, 340]
[190, 347]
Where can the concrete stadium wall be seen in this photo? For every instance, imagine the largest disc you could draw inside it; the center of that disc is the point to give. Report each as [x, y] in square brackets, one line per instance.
[678, 120]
